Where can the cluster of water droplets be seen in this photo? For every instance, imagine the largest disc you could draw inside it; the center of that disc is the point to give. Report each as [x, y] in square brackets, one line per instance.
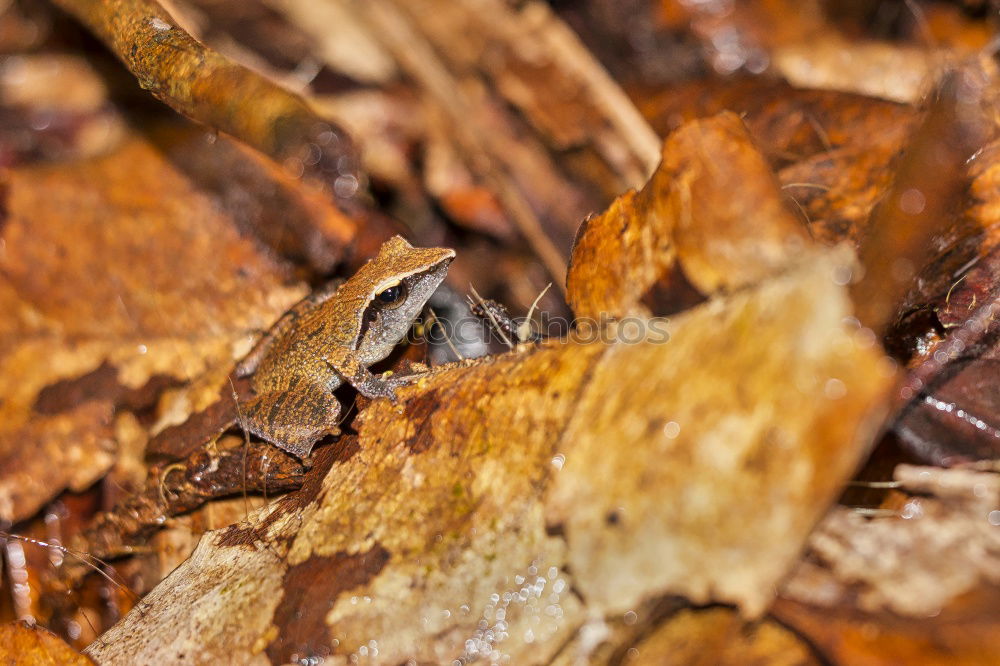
[535, 598]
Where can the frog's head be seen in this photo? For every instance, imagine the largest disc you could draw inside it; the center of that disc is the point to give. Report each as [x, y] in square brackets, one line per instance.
[399, 281]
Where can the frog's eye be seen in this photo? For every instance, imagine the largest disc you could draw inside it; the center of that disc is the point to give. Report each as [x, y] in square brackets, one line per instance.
[391, 297]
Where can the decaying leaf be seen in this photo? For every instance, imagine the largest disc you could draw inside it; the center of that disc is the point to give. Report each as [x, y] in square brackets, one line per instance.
[103, 316]
[940, 546]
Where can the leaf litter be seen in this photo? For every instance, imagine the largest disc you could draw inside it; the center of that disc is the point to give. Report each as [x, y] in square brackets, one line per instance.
[586, 498]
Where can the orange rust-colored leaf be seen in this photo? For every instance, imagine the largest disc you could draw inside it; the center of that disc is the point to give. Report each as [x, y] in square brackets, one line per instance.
[25, 645]
[964, 633]
[713, 206]
[120, 278]
[721, 636]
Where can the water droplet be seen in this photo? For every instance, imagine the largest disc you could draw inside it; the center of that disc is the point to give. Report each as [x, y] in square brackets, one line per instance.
[834, 389]
[842, 275]
[294, 167]
[912, 201]
[345, 186]
[672, 429]
[314, 153]
[159, 24]
[911, 510]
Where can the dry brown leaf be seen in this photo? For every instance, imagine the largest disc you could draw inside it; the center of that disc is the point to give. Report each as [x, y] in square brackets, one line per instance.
[877, 69]
[964, 633]
[497, 484]
[713, 206]
[108, 315]
[943, 544]
[720, 636]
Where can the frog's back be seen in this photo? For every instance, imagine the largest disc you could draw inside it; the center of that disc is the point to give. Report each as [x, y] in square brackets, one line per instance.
[302, 352]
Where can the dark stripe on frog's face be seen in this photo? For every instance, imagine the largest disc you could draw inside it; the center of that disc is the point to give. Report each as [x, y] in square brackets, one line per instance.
[384, 324]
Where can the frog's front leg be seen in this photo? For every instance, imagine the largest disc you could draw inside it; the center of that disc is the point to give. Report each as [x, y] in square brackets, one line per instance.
[361, 378]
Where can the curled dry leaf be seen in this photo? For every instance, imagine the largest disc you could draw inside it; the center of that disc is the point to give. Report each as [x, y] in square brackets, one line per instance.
[104, 316]
[833, 151]
[787, 123]
[449, 510]
[713, 206]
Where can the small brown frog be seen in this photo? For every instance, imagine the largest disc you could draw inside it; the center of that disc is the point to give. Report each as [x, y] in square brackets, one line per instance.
[334, 335]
